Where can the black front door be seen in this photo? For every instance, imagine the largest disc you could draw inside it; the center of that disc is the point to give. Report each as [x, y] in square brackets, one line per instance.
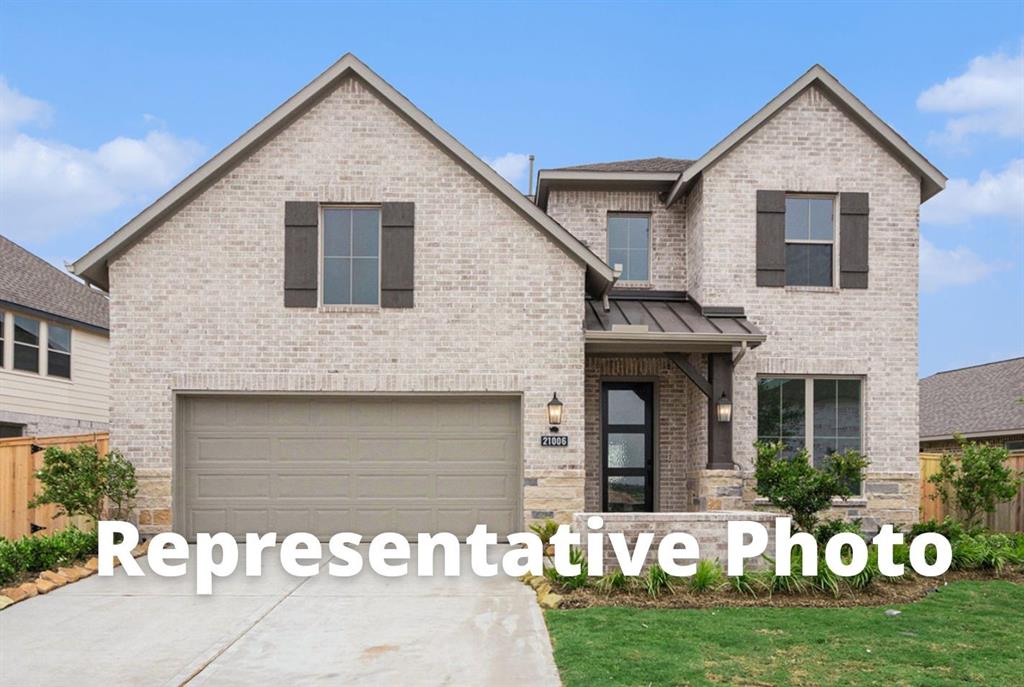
[627, 436]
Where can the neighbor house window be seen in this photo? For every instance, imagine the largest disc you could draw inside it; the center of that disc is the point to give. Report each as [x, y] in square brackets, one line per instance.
[351, 250]
[810, 241]
[629, 245]
[822, 415]
[26, 344]
[58, 351]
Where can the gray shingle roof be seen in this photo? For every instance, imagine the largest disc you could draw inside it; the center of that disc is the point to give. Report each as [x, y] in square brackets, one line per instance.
[649, 164]
[983, 398]
[31, 282]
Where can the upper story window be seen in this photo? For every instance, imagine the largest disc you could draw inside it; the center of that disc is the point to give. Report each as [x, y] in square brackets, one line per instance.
[351, 256]
[58, 351]
[810, 241]
[26, 344]
[629, 245]
[822, 415]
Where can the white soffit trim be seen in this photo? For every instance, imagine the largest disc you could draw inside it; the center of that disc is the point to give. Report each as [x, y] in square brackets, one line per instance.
[548, 178]
[932, 180]
[93, 265]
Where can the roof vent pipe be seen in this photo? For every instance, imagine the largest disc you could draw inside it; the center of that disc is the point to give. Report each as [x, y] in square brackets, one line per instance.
[530, 192]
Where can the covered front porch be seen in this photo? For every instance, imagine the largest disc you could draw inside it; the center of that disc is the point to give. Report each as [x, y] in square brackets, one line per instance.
[658, 404]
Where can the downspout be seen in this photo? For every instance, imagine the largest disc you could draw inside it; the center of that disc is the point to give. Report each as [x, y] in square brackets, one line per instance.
[604, 295]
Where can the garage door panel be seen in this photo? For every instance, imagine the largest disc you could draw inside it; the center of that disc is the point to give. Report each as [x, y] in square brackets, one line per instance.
[363, 464]
[210, 449]
[226, 486]
[480, 486]
[312, 486]
[387, 449]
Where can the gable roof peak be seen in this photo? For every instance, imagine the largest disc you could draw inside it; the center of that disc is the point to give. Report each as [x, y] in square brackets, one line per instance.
[932, 180]
[93, 266]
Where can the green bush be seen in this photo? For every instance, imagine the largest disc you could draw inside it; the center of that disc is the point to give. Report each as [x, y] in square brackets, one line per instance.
[32, 554]
[657, 581]
[82, 482]
[708, 576]
[948, 528]
[545, 530]
[801, 490]
[576, 557]
[612, 582]
[830, 528]
[992, 551]
[975, 481]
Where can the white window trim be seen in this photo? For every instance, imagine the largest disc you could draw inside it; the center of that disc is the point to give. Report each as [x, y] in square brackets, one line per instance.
[348, 307]
[41, 367]
[809, 416]
[633, 283]
[834, 286]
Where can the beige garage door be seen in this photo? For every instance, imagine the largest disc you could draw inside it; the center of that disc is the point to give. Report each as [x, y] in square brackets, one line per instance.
[348, 464]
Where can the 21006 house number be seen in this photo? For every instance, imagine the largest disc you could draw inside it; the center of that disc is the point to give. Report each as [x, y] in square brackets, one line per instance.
[559, 440]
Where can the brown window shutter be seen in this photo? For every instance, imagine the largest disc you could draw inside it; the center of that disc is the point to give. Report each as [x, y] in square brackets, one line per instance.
[300, 253]
[398, 255]
[853, 240]
[771, 238]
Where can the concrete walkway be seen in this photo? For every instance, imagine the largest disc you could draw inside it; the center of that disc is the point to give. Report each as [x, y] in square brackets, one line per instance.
[277, 629]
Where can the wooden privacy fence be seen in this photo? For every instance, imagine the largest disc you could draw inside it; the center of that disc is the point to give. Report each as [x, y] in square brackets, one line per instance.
[18, 485]
[1009, 516]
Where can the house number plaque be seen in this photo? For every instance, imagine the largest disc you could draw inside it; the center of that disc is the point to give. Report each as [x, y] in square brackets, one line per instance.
[559, 440]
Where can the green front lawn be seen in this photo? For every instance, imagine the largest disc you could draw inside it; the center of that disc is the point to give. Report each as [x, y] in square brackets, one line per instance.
[969, 633]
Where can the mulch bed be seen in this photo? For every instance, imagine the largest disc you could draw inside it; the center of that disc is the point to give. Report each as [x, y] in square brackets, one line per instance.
[878, 594]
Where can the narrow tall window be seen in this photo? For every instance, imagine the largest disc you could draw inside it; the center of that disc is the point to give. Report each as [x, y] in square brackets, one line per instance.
[1, 341]
[26, 344]
[629, 245]
[58, 351]
[351, 250]
[810, 241]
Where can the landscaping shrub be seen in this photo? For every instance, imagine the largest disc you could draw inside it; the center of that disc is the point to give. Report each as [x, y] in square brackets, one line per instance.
[975, 481]
[708, 576]
[32, 554]
[869, 574]
[988, 551]
[577, 557]
[82, 482]
[657, 581]
[830, 528]
[948, 528]
[746, 584]
[795, 486]
[612, 582]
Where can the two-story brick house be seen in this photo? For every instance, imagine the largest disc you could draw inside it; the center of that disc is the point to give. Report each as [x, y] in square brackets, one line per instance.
[347, 321]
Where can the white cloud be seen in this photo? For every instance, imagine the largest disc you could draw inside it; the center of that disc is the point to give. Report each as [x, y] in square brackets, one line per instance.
[957, 267]
[513, 166]
[17, 109]
[48, 187]
[987, 98]
[992, 195]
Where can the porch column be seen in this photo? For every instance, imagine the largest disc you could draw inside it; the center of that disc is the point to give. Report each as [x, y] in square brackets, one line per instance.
[719, 433]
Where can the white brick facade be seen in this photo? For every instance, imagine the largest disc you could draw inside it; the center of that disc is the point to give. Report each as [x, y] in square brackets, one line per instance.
[809, 146]
[198, 304]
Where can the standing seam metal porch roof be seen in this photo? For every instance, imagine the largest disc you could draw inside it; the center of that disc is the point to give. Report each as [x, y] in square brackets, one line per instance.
[667, 316]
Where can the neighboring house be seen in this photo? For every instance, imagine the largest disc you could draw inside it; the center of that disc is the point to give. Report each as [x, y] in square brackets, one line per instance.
[984, 403]
[54, 349]
[346, 320]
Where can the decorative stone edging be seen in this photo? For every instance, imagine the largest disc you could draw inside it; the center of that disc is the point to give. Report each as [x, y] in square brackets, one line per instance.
[545, 596]
[48, 580]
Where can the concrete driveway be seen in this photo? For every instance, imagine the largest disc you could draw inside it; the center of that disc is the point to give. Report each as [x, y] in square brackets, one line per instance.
[277, 629]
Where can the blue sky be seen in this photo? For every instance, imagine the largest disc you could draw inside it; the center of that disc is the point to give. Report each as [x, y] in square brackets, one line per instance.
[104, 106]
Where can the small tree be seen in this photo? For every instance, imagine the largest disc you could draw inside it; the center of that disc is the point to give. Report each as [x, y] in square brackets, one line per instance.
[795, 486]
[976, 483]
[80, 482]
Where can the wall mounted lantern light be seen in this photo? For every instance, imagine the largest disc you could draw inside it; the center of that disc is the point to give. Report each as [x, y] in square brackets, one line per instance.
[554, 413]
[724, 409]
